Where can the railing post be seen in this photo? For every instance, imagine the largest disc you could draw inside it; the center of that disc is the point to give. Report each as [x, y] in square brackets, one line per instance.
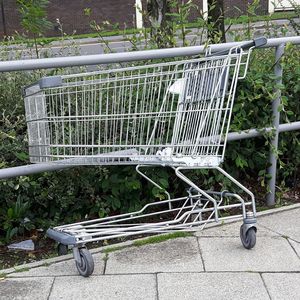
[278, 70]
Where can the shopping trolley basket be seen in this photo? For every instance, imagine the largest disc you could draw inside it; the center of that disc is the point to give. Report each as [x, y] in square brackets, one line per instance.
[174, 114]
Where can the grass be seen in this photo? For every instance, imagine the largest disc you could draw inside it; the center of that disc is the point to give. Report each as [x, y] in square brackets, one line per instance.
[48, 40]
[262, 208]
[146, 241]
[244, 19]
[161, 238]
[45, 264]
[113, 249]
[3, 276]
[105, 258]
[20, 270]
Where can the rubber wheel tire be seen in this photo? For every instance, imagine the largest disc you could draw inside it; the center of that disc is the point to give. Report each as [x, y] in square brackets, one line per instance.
[62, 249]
[86, 265]
[249, 238]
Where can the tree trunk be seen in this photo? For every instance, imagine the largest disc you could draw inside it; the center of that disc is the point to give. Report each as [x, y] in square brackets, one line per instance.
[3, 19]
[216, 30]
[161, 25]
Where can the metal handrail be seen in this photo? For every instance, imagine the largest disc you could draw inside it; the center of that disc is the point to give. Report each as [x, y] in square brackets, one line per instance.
[59, 62]
[84, 60]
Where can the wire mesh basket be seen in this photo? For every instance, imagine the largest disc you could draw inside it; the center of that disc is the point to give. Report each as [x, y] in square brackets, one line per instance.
[176, 113]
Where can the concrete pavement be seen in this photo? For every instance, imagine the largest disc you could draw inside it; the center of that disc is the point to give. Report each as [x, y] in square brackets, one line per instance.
[211, 264]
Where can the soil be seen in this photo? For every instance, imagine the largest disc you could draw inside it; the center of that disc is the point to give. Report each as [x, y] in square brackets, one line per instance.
[44, 248]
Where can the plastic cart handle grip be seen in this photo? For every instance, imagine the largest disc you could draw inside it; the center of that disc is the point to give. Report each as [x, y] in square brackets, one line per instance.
[258, 42]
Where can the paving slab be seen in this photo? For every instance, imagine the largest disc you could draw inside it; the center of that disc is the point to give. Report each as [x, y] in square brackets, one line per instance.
[228, 254]
[232, 230]
[286, 223]
[25, 288]
[283, 286]
[211, 286]
[131, 287]
[296, 247]
[63, 268]
[175, 255]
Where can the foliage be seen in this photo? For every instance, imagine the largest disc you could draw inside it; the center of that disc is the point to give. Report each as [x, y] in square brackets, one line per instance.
[15, 221]
[216, 24]
[33, 14]
[161, 238]
[176, 29]
[293, 22]
[34, 17]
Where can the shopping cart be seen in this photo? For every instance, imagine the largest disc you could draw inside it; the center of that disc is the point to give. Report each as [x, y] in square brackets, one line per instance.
[173, 114]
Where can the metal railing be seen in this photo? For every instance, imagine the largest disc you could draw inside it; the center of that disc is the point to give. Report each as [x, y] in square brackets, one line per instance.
[59, 62]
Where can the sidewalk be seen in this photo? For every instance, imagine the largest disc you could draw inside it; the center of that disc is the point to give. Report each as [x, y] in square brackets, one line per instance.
[212, 264]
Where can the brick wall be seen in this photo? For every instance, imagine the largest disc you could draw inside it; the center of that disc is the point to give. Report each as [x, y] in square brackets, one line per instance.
[11, 17]
[71, 13]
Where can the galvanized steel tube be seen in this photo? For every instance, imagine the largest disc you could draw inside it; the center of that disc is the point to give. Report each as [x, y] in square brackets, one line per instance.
[84, 60]
[278, 70]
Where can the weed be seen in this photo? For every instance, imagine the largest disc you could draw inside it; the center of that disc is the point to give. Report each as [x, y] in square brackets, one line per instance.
[20, 270]
[113, 249]
[161, 238]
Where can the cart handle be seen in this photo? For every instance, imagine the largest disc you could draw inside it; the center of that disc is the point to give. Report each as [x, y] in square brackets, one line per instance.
[255, 43]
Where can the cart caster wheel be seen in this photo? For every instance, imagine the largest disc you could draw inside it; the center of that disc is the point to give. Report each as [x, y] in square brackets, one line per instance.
[86, 265]
[62, 249]
[248, 238]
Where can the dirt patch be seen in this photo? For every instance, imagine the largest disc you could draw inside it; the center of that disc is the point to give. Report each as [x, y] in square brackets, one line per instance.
[44, 248]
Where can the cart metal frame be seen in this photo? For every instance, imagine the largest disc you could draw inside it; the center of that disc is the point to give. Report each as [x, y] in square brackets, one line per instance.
[173, 114]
